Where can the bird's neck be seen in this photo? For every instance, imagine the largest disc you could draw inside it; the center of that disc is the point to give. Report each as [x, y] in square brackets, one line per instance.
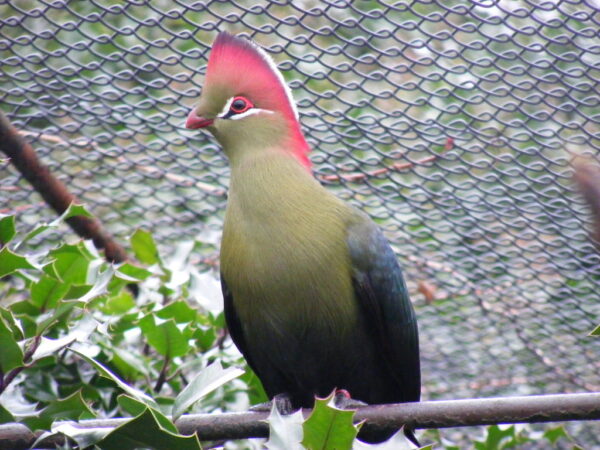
[269, 184]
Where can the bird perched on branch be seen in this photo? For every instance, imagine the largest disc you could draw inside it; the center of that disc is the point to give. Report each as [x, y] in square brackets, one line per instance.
[314, 297]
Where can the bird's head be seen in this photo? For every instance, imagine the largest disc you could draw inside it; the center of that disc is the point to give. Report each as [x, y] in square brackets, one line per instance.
[245, 102]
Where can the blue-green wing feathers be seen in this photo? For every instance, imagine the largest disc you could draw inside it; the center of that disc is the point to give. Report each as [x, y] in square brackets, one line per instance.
[389, 316]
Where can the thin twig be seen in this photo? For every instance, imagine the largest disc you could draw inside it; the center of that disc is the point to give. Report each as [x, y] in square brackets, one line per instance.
[162, 376]
[11, 375]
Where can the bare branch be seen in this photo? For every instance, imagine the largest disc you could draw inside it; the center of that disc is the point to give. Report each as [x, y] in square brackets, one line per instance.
[53, 191]
[379, 419]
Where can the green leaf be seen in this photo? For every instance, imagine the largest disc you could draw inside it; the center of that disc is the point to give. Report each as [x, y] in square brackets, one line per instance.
[46, 293]
[145, 431]
[256, 391]
[328, 427]
[80, 332]
[12, 323]
[10, 262]
[205, 382]
[135, 393]
[285, 431]
[144, 247]
[118, 304]
[179, 311]
[7, 229]
[165, 338]
[69, 408]
[71, 263]
[100, 285]
[57, 316]
[554, 434]
[132, 272]
[130, 405]
[85, 437]
[595, 331]
[496, 436]
[135, 408]
[11, 355]
[5, 415]
[127, 363]
[74, 210]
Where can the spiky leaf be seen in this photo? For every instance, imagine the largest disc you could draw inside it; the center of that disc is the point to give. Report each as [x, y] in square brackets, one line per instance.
[328, 427]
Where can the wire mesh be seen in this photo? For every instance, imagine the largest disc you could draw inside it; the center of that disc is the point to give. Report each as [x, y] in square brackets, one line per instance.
[451, 123]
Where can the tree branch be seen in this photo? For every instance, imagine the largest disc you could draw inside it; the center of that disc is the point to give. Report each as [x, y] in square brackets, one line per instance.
[53, 191]
[379, 419]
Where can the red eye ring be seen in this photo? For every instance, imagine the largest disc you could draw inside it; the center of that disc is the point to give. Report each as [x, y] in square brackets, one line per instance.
[240, 105]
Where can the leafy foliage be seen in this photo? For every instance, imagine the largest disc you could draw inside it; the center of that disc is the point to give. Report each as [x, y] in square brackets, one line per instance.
[77, 344]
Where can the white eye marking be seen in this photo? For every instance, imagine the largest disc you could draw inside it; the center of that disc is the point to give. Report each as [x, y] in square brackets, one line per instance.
[250, 112]
[225, 109]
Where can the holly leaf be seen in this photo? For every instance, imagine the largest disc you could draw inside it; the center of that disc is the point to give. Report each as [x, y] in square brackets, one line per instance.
[135, 408]
[554, 434]
[71, 263]
[47, 292]
[397, 442]
[205, 382]
[72, 407]
[73, 210]
[144, 247]
[285, 431]
[328, 427]
[166, 338]
[80, 332]
[7, 229]
[5, 415]
[11, 355]
[85, 437]
[11, 262]
[145, 431]
[179, 311]
[135, 393]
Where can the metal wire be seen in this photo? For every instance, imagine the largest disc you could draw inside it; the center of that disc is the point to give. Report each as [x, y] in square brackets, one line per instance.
[496, 96]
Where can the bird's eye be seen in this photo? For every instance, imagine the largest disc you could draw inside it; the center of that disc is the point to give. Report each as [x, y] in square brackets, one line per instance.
[240, 105]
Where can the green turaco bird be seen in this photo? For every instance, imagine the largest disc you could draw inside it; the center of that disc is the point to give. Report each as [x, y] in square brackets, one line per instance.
[314, 297]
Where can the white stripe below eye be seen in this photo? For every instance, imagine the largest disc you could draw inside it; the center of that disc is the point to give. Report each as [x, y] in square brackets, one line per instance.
[250, 112]
[225, 109]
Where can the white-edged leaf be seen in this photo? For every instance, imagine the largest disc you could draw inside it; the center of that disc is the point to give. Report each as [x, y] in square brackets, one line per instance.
[81, 332]
[285, 431]
[133, 392]
[397, 442]
[205, 382]
[85, 437]
[100, 286]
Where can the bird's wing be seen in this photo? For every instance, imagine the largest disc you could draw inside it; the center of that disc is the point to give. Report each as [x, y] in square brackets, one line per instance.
[381, 291]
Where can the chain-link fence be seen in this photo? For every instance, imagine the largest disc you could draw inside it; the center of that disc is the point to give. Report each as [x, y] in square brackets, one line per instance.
[486, 99]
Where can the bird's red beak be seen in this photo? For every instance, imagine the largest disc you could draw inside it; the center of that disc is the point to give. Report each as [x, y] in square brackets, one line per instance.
[195, 121]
